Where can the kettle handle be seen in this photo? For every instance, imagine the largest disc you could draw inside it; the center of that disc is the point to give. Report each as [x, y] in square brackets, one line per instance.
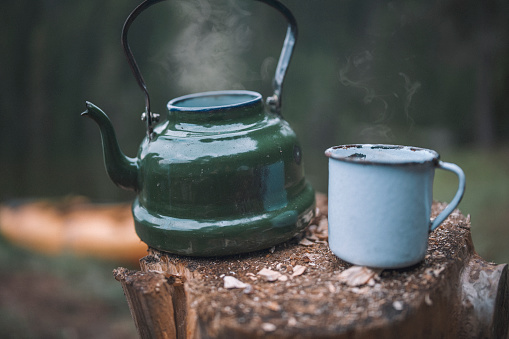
[147, 116]
[274, 101]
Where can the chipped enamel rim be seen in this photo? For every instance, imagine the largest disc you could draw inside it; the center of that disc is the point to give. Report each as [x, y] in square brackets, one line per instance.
[380, 154]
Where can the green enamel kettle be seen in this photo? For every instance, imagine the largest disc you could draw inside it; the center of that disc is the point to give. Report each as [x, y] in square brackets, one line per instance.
[222, 175]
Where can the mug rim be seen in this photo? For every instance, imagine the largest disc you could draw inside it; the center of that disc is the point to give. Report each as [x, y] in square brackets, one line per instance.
[349, 153]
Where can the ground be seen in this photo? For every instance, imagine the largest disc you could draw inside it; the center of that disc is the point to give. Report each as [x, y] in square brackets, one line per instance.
[60, 297]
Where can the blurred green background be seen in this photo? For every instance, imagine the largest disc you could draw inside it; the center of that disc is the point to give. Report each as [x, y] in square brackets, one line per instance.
[423, 73]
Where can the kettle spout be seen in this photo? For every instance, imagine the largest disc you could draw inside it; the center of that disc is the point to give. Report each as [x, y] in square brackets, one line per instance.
[122, 170]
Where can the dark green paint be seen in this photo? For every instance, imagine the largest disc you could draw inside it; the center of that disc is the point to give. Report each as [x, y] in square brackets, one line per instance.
[122, 170]
[221, 176]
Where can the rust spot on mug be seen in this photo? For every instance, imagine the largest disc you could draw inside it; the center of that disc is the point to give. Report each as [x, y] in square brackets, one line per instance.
[386, 147]
[357, 156]
[328, 153]
[347, 146]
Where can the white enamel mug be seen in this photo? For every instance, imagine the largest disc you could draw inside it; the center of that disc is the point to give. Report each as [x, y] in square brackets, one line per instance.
[380, 199]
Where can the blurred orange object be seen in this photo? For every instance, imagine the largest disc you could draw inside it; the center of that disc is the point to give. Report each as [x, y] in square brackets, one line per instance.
[73, 225]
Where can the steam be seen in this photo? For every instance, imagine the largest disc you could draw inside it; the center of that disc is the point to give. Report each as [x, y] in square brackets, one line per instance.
[377, 131]
[358, 73]
[411, 88]
[207, 51]
[268, 68]
[359, 66]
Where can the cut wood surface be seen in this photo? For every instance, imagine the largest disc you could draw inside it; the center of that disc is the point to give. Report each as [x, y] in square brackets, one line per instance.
[299, 289]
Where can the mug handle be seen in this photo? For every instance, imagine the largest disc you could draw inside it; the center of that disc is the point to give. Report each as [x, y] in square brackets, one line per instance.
[457, 198]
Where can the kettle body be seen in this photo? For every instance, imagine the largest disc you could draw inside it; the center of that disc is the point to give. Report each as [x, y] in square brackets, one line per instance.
[222, 175]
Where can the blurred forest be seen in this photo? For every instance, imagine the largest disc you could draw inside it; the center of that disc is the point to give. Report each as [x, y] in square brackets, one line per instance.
[419, 72]
[425, 73]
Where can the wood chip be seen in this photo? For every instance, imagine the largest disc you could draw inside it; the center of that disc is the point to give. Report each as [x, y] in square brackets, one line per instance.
[323, 226]
[312, 228]
[322, 236]
[298, 270]
[331, 287]
[427, 300]
[231, 282]
[283, 278]
[311, 257]
[306, 242]
[269, 275]
[358, 276]
[268, 327]
[273, 306]
[312, 237]
[317, 212]
[398, 305]
[248, 289]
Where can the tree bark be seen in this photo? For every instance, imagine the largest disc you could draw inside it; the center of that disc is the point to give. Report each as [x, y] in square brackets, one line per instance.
[150, 300]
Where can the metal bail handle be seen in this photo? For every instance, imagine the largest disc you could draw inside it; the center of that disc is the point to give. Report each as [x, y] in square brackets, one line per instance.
[274, 101]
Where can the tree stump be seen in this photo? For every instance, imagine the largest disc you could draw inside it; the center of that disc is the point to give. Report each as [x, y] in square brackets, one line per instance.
[299, 289]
